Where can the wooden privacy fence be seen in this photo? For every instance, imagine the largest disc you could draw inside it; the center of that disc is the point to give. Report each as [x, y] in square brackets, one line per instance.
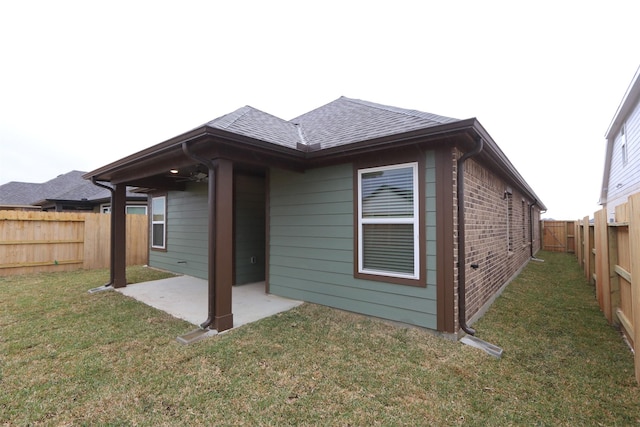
[59, 241]
[609, 254]
[558, 236]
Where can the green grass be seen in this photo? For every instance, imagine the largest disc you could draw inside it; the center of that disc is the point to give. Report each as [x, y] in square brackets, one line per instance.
[71, 358]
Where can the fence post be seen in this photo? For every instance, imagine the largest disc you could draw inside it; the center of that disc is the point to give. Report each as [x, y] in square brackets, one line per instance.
[634, 246]
[603, 281]
[586, 248]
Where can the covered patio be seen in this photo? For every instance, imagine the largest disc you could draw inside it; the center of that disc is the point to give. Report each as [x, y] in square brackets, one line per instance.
[185, 297]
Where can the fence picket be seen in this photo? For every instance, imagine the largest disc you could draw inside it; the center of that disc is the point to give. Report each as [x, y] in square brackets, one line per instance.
[615, 270]
[62, 241]
[634, 249]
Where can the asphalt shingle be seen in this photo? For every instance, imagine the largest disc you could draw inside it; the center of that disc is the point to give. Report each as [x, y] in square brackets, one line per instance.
[343, 121]
[68, 186]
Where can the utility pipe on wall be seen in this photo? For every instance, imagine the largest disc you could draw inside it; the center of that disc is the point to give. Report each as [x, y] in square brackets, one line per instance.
[462, 307]
[211, 166]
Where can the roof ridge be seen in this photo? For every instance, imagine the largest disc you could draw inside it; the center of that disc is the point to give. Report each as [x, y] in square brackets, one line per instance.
[398, 110]
[224, 124]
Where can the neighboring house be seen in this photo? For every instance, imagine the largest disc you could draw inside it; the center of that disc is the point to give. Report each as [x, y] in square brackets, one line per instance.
[65, 193]
[622, 158]
[352, 205]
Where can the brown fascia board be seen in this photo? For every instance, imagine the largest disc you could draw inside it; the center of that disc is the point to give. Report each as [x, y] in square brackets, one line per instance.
[463, 133]
[500, 162]
[395, 141]
[105, 172]
[169, 153]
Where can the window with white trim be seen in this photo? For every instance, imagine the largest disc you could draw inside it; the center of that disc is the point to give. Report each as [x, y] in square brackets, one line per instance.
[158, 222]
[388, 215]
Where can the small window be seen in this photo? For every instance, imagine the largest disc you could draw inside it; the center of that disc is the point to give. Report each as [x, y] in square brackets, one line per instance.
[138, 210]
[623, 146]
[158, 221]
[509, 197]
[130, 209]
[388, 236]
[524, 223]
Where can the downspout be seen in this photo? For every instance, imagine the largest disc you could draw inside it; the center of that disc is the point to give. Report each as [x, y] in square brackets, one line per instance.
[462, 307]
[112, 238]
[211, 166]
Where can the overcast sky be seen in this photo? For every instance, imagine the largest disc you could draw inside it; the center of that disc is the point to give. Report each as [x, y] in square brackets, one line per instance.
[85, 83]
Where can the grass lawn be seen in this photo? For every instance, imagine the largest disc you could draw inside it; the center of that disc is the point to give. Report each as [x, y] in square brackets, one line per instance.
[71, 358]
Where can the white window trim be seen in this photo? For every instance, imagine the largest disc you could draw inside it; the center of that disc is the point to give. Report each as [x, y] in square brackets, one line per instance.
[163, 222]
[415, 221]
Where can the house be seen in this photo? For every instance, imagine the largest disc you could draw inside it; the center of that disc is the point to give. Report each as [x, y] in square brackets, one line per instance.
[354, 205]
[621, 176]
[68, 192]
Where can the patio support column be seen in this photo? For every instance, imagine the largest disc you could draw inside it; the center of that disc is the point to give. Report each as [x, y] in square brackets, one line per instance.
[223, 206]
[119, 240]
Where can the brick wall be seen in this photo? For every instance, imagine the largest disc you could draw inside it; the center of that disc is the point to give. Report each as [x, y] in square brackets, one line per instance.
[497, 234]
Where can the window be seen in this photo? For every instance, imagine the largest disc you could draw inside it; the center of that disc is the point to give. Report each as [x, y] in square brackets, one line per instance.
[388, 221]
[130, 209]
[139, 210]
[509, 196]
[158, 221]
[623, 146]
[524, 223]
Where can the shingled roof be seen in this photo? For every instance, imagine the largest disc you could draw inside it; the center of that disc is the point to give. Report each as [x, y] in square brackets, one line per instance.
[343, 121]
[343, 127]
[346, 120]
[68, 186]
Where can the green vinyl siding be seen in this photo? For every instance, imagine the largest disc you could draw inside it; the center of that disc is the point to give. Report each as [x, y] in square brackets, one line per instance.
[187, 237]
[249, 228]
[311, 247]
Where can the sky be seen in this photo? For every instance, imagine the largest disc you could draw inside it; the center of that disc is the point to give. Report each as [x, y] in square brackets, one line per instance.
[85, 83]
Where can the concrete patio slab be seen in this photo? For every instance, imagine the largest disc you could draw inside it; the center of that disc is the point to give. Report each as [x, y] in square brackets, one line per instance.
[185, 297]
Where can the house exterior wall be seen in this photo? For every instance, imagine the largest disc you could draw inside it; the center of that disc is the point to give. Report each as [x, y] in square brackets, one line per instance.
[497, 234]
[187, 237]
[311, 247]
[624, 178]
[187, 231]
[249, 226]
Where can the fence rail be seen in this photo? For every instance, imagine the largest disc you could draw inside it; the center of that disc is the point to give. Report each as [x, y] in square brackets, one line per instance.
[609, 254]
[61, 241]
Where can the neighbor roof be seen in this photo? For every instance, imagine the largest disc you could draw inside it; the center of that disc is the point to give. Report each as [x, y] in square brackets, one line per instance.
[68, 186]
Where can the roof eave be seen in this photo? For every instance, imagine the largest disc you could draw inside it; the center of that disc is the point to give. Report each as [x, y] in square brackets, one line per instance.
[629, 100]
[497, 155]
[154, 150]
[173, 146]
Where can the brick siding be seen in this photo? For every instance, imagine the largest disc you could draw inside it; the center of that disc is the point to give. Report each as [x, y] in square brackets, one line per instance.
[497, 234]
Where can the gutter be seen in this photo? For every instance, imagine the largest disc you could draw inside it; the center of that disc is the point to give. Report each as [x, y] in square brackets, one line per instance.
[211, 166]
[462, 305]
[112, 239]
